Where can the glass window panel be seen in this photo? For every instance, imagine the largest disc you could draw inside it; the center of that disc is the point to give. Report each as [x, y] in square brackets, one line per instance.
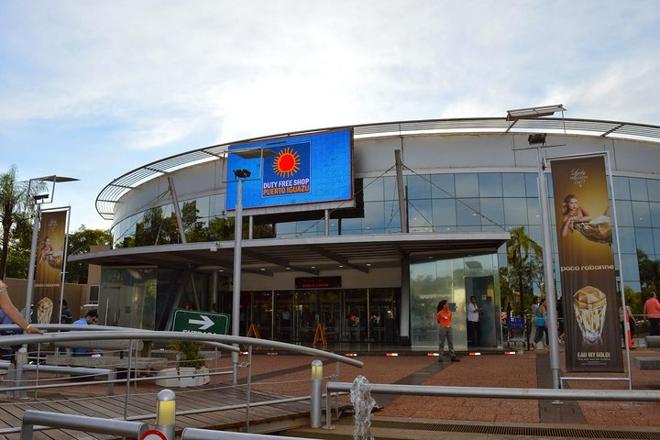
[624, 214]
[634, 285]
[656, 240]
[513, 185]
[467, 212]
[627, 240]
[373, 215]
[630, 267]
[202, 205]
[621, 188]
[638, 189]
[392, 216]
[654, 189]
[641, 214]
[531, 185]
[490, 184]
[419, 187]
[285, 229]
[644, 238]
[655, 214]
[420, 213]
[444, 212]
[493, 211]
[535, 234]
[390, 189]
[349, 225]
[373, 189]
[442, 186]
[467, 185]
[515, 211]
[549, 185]
[533, 211]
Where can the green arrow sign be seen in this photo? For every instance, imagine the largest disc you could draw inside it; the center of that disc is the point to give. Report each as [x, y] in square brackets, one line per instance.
[192, 321]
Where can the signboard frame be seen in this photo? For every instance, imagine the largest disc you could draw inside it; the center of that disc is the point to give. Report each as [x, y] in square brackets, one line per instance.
[253, 184]
[205, 318]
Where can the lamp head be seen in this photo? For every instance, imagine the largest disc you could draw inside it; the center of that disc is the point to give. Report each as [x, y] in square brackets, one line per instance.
[536, 138]
[242, 173]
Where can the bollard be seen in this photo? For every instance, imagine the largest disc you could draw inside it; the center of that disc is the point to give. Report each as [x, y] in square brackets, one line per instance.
[165, 413]
[316, 394]
[21, 359]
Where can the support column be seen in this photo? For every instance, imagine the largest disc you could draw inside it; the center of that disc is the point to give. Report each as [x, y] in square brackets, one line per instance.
[404, 313]
[403, 206]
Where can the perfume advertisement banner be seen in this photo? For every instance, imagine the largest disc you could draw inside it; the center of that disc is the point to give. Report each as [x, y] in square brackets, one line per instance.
[50, 258]
[588, 281]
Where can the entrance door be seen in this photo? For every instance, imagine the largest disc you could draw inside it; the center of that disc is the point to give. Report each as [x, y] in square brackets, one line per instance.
[355, 315]
[482, 289]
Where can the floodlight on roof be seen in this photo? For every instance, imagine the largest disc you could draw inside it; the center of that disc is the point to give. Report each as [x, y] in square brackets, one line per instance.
[534, 112]
[55, 179]
[536, 139]
[242, 173]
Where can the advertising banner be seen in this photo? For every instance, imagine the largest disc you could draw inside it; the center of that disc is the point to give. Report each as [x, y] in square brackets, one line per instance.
[50, 257]
[285, 172]
[588, 280]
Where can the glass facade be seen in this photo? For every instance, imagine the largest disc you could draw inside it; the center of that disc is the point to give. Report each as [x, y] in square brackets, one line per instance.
[460, 202]
[455, 280]
[127, 297]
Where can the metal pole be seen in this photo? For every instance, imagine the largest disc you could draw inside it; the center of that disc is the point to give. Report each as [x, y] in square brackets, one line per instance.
[36, 391]
[618, 253]
[128, 378]
[236, 292]
[33, 258]
[550, 296]
[177, 209]
[403, 209]
[65, 253]
[315, 394]
[326, 222]
[249, 390]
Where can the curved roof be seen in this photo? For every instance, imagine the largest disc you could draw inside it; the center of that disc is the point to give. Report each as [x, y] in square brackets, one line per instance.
[112, 192]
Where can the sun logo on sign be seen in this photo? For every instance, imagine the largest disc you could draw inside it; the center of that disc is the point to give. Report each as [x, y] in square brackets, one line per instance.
[286, 163]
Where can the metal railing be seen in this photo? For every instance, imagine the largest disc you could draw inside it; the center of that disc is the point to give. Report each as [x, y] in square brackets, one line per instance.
[207, 434]
[497, 393]
[40, 419]
[75, 371]
[216, 340]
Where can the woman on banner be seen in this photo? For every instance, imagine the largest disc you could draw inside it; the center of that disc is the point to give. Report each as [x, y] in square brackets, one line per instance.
[572, 213]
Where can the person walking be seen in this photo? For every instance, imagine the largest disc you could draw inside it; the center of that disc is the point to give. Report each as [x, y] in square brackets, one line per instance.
[540, 324]
[444, 317]
[652, 312]
[473, 321]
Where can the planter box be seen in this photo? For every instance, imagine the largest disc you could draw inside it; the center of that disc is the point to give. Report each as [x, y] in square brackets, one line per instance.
[201, 378]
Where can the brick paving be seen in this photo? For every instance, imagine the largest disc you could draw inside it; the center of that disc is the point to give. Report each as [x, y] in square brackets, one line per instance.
[490, 371]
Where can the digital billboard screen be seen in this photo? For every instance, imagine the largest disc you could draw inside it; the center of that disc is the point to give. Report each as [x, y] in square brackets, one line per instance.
[310, 168]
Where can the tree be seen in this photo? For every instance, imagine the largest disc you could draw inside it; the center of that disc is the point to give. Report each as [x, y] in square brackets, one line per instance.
[649, 274]
[16, 205]
[79, 243]
[525, 263]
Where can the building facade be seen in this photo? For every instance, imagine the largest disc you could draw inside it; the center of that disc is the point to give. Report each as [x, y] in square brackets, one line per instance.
[467, 184]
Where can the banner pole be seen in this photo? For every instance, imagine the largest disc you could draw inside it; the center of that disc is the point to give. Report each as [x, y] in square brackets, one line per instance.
[64, 257]
[551, 297]
[618, 254]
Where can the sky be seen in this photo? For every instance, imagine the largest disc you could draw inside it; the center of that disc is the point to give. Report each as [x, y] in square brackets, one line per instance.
[93, 89]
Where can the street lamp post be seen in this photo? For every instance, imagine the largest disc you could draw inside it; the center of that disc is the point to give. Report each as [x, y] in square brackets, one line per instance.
[38, 200]
[240, 174]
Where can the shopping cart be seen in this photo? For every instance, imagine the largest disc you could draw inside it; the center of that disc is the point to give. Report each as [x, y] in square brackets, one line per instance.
[516, 332]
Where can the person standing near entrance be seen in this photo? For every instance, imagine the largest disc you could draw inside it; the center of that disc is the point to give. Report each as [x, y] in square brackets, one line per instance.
[652, 312]
[444, 317]
[473, 321]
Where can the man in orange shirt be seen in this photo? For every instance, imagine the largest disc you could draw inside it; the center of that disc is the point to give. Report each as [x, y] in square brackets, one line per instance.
[443, 316]
[652, 312]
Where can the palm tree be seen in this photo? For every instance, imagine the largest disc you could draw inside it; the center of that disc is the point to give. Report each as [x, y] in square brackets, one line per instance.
[525, 262]
[15, 205]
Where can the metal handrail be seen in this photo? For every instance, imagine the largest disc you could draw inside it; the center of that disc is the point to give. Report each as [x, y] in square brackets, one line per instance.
[197, 337]
[208, 434]
[505, 393]
[79, 423]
